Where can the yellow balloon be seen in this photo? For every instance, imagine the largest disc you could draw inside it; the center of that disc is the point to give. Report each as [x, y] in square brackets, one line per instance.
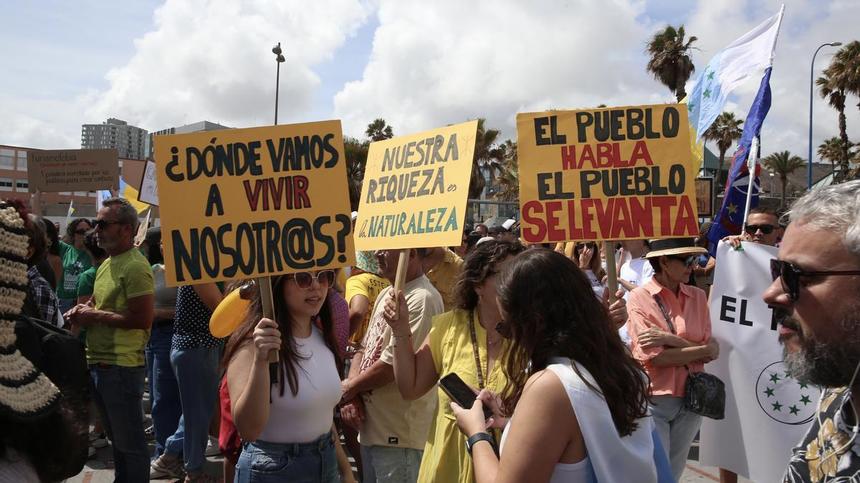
[228, 315]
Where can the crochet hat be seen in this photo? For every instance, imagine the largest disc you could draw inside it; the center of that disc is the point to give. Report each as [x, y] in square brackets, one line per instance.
[25, 393]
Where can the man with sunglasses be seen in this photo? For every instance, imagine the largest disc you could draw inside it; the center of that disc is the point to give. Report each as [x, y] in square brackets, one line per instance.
[118, 318]
[762, 227]
[392, 430]
[816, 299]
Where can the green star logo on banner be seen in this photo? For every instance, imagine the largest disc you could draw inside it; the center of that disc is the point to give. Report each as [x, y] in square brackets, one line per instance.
[784, 399]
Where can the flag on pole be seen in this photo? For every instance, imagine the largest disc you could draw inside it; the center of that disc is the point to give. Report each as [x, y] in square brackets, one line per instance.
[730, 218]
[130, 194]
[746, 57]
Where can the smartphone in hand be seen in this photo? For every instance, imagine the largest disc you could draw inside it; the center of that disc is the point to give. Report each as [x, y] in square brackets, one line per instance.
[461, 393]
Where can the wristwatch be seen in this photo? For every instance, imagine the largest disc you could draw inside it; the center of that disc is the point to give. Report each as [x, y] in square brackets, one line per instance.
[475, 438]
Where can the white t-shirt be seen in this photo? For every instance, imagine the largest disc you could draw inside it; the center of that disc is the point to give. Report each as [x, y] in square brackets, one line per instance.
[309, 414]
[637, 271]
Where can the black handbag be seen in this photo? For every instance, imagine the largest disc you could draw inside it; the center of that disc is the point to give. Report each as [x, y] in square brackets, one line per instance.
[704, 394]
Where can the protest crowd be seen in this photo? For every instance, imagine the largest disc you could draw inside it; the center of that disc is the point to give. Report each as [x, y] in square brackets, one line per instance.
[592, 336]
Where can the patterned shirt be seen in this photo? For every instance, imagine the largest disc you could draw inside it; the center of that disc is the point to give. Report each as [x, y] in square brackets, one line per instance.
[44, 296]
[830, 451]
[191, 322]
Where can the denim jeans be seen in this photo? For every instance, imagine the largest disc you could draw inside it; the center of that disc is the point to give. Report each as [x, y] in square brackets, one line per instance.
[118, 396]
[263, 462]
[677, 427]
[163, 389]
[384, 464]
[196, 373]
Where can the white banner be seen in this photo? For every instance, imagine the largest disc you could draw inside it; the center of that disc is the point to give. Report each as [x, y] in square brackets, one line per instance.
[148, 192]
[767, 412]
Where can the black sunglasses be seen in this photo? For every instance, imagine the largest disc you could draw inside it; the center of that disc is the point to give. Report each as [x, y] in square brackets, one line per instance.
[687, 261]
[102, 224]
[789, 274]
[767, 229]
[306, 279]
[504, 329]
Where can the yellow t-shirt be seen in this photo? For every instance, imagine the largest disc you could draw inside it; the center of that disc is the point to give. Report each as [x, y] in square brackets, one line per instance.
[368, 285]
[444, 277]
[445, 456]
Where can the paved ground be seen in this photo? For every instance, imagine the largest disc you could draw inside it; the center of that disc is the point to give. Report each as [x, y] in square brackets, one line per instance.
[99, 469]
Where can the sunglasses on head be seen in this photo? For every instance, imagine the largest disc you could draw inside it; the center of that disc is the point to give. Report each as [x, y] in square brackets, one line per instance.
[789, 275]
[102, 224]
[767, 229]
[305, 279]
[687, 260]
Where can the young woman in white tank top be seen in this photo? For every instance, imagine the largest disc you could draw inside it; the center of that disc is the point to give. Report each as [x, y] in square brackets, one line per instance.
[285, 415]
[579, 399]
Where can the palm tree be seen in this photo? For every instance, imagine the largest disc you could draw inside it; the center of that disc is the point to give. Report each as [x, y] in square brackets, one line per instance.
[355, 152]
[832, 88]
[725, 130]
[845, 65]
[831, 150]
[487, 156]
[670, 61]
[509, 173]
[379, 130]
[783, 163]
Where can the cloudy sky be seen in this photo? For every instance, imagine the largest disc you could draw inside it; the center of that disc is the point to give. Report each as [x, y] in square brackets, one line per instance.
[418, 64]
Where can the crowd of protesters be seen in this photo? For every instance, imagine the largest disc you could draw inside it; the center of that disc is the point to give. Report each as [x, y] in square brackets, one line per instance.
[571, 383]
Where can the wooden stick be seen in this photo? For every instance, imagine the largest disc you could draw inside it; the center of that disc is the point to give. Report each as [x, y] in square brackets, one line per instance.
[402, 268]
[268, 303]
[611, 274]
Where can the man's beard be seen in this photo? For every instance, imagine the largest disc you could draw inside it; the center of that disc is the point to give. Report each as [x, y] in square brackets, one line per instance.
[826, 364]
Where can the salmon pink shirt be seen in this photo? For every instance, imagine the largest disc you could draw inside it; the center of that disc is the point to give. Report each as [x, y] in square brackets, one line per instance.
[689, 313]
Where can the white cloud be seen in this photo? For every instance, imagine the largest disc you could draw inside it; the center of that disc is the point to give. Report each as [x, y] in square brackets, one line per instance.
[462, 60]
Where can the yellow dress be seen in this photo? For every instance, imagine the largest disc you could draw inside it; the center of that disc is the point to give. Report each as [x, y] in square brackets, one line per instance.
[445, 456]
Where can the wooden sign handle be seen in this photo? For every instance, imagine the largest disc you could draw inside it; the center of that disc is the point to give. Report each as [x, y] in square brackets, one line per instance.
[268, 303]
[402, 268]
[611, 274]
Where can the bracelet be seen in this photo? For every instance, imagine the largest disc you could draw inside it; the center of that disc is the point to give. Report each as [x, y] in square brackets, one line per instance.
[478, 437]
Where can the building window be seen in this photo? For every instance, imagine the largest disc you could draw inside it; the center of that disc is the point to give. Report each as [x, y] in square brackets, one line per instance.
[22, 161]
[21, 184]
[7, 158]
[5, 184]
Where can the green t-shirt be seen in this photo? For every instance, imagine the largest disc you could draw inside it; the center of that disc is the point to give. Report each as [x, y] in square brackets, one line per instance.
[86, 281]
[118, 279]
[75, 262]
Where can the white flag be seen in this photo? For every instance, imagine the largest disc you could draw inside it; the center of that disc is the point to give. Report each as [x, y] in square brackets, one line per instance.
[767, 411]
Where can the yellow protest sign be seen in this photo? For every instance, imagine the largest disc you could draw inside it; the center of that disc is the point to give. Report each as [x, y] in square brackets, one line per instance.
[243, 203]
[415, 189]
[606, 174]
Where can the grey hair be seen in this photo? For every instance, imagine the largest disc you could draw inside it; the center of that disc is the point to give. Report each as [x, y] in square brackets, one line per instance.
[125, 212]
[835, 207]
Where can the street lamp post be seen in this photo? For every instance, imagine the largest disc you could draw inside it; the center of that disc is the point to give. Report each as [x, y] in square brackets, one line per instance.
[279, 58]
[811, 77]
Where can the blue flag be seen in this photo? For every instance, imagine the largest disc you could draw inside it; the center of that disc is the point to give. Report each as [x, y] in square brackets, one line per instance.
[730, 218]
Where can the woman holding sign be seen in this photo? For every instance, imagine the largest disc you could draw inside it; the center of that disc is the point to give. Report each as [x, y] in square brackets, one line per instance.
[285, 416]
[463, 341]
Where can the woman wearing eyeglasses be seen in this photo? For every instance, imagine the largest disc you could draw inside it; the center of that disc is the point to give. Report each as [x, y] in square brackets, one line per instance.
[285, 415]
[671, 331]
[75, 261]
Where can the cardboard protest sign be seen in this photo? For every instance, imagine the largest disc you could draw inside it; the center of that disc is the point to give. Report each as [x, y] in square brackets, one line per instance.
[245, 203]
[148, 192]
[72, 170]
[606, 174]
[415, 189]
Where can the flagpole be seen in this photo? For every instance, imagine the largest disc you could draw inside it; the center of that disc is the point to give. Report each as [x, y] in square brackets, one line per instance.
[752, 159]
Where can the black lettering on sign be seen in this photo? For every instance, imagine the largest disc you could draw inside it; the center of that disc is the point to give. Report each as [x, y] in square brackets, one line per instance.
[727, 305]
[214, 201]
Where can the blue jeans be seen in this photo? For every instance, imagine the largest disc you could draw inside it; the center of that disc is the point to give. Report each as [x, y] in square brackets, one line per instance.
[676, 427]
[163, 389]
[385, 464]
[118, 396]
[263, 462]
[196, 373]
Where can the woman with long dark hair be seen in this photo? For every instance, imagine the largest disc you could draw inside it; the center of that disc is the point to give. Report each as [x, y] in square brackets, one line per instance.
[462, 341]
[577, 400]
[286, 416]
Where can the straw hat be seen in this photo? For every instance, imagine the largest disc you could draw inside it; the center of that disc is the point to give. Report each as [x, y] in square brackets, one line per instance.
[25, 393]
[674, 246]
